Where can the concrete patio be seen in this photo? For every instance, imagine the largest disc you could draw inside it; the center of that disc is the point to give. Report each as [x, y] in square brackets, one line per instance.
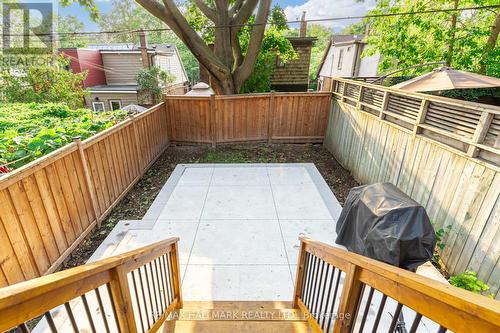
[238, 227]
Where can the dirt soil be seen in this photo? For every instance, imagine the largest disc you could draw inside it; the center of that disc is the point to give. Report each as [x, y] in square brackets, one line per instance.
[135, 204]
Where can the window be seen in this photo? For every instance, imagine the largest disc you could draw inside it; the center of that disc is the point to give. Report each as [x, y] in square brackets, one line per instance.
[115, 104]
[98, 106]
[279, 62]
[341, 57]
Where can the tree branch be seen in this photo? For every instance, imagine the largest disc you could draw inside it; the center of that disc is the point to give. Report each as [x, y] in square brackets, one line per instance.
[245, 69]
[246, 11]
[236, 7]
[206, 10]
[170, 14]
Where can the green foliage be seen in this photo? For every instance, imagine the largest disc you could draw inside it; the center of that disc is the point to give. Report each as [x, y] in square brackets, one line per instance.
[152, 81]
[358, 28]
[28, 131]
[409, 40]
[51, 83]
[440, 245]
[468, 280]
[274, 44]
[71, 23]
[199, 22]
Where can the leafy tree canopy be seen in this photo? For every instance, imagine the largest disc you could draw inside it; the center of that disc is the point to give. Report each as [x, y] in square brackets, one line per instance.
[152, 81]
[50, 83]
[409, 40]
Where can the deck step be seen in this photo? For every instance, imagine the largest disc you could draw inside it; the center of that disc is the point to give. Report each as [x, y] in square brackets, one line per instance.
[237, 316]
[187, 326]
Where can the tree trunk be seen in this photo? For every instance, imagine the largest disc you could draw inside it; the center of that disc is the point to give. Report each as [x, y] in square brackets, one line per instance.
[226, 63]
[490, 44]
[453, 32]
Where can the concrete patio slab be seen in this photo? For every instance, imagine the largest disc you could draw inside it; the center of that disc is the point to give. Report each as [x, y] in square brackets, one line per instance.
[237, 282]
[239, 242]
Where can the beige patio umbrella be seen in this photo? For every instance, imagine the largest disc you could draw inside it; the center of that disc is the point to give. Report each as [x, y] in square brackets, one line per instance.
[446, 78]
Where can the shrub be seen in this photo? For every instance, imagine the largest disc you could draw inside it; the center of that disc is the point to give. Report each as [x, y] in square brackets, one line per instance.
[28, 131]
[468, 280]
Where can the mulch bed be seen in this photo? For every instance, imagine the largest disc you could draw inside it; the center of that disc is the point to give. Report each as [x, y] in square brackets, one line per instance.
[135, 204]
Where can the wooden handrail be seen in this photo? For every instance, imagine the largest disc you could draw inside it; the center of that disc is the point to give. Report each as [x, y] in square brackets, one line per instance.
[27, 300]
[453, 308]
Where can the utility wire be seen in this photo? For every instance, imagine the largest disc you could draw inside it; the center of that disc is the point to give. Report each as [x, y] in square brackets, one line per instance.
[111, 32]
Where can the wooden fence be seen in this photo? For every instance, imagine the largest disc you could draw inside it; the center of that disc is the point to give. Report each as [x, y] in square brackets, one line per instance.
[441, 152]
[272, 117]
[49, 206]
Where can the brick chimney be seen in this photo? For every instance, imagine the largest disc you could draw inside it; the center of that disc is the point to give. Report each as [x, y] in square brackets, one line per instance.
[144, 49]
[303, 25]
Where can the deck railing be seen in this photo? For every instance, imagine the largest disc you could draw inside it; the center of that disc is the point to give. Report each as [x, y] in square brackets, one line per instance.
[347, 292]
[49, 206]
[472, 128]
[130, 292]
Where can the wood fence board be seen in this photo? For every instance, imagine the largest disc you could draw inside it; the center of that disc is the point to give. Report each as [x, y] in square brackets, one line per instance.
[470, 212]
[42, 222]
[60, 202]
[17, 238]
[51, 210]
[11, 269]
[74, 187]
[29, 227]
[484, 229]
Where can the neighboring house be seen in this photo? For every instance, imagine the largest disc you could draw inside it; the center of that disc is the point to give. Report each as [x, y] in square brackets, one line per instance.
[294, 75]
[342, 58]
[113, 69]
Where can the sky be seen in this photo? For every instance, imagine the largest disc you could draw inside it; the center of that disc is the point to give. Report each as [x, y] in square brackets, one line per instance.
[316, 9]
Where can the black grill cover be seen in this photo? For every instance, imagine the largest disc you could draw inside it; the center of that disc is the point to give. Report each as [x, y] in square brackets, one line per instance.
[381, 222]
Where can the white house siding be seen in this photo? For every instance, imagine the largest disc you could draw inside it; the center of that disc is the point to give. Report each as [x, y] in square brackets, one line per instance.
[122, 68]
[368, 66]
[172, 64]
[125, 98]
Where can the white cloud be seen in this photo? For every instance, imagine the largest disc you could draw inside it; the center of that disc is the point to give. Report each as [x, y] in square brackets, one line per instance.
[321, 9]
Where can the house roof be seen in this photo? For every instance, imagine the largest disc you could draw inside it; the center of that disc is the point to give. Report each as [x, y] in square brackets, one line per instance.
[336, 40]
[131, 47]
[302, 40]
[341, 39]
[102, 88]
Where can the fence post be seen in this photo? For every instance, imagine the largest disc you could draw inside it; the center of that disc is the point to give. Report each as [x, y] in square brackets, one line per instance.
[270, 123]
[351, 294]
[385, 101]
[136, 143]
[299, 274]
[177, 274]
[481, 130]
[360, 97]
[422, 112]
[213, 120]
[88, 180]
[122, 301]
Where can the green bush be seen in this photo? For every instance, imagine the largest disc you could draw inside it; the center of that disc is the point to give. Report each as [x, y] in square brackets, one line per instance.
[28, 131]
[468, 280]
